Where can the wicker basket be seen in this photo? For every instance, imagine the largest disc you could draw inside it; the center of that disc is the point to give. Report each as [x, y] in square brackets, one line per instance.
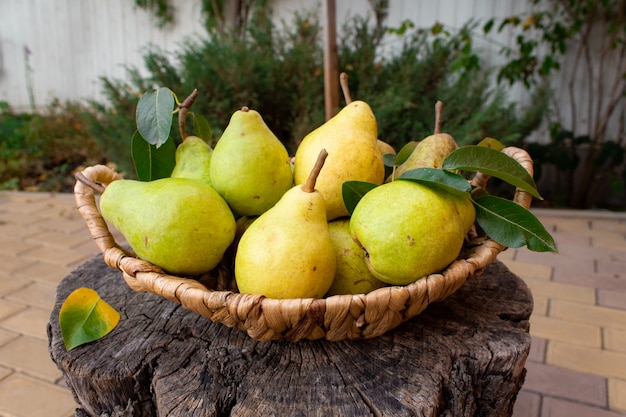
[337, 317]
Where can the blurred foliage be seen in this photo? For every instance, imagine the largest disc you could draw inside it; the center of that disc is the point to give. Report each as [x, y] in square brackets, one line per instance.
[214, 12]
[583, 43]
[432, 64]
[39, 152]
[278, 71]
[163, 10]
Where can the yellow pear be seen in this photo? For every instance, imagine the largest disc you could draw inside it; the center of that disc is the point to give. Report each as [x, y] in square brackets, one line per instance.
[287, 251]
[250, 167]
[410, 230]
[432, 150]
[352, 275]
[351, 140]
[193, 158]
[385, 148]
[429, 153]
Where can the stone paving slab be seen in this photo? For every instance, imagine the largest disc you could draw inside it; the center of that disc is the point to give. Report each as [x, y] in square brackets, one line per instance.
[576, 366]
[579, 369]
[25, 396]
[540, 379]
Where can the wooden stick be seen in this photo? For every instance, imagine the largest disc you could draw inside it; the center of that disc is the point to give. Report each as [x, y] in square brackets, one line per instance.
[438, 115]
[331, 60]
[345, 88]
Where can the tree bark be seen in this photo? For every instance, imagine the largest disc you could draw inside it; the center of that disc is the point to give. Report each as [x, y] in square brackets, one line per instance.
[463, 356]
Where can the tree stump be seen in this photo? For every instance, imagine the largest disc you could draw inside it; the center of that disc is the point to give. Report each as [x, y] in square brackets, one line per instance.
[463, 356]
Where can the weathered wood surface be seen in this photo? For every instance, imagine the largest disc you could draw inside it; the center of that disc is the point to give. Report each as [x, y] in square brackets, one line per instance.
[464, 356]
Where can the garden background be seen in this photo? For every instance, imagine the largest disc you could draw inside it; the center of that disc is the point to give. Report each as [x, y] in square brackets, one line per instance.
[548, 76]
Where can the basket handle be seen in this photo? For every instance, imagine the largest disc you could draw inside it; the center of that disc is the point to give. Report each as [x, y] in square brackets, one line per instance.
[96, 178]
[521, 197]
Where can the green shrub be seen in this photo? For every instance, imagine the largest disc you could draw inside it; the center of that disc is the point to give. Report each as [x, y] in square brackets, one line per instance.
[585, 148]
[433, 65]
[40, 151]
[279, 72]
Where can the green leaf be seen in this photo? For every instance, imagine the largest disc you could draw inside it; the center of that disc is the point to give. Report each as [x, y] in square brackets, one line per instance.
[202, 128]
[154, 115]
[436, 29]
[487, 27]
[512, 225]
[389, 160]
[494, 163]
[152, 163]
[353, 191]
[85, 317]
[439, 178]
[405, 152]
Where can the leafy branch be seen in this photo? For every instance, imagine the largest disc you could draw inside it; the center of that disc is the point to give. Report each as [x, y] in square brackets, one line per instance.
[152, 148]
[584, 42]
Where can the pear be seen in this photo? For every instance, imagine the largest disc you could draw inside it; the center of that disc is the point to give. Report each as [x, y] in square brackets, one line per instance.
[429, 153]
[193, 158]
[178, 224]
[250, 167]
[385, 148]
[410, 230]
[432, 150]
[352, 275]
[351, 139]
[228, 261]
[287, 251]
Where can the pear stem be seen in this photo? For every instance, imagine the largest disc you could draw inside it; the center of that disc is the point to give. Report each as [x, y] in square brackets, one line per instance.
[95, 186]
[438, 115]
[309, 186]
[343, 81]
[182, 113]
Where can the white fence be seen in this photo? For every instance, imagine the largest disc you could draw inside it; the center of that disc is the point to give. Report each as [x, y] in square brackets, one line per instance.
[72, 43]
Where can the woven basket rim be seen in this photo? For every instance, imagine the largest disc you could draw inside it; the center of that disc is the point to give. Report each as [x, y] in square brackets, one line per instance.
[336, 317]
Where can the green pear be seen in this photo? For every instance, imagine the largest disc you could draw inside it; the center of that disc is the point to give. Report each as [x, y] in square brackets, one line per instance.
[250, 167]
[431, 151]
[410, 230]
[287, 251]
[351, 139]
[193, 159]
[352, 275]
[178, 224]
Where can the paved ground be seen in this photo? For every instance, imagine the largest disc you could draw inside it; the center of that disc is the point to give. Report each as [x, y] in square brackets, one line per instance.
[577, 366]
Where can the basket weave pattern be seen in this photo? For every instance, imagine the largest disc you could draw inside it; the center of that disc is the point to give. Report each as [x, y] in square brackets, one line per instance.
[334, 318]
